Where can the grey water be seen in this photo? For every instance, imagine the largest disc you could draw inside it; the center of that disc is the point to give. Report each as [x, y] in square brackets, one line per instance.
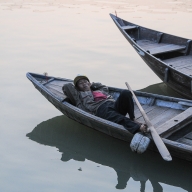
[43, 150]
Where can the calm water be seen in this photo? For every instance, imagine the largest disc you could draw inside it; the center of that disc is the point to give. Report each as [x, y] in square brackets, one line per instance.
[41, 149]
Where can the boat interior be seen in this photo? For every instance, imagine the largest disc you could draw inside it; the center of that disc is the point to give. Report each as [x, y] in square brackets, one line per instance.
[172, 50]
[169, 116]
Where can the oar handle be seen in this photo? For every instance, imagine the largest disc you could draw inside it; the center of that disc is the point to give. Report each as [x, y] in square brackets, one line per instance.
[139, 106]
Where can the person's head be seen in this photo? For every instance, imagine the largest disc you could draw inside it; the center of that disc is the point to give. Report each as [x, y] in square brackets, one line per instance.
[82, 83]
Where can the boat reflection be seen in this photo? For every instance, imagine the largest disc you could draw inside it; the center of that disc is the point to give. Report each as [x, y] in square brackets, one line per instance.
[78, 142]
[161, 89]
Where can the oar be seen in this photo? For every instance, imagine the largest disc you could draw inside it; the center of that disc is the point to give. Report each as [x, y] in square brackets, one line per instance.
[157, 139]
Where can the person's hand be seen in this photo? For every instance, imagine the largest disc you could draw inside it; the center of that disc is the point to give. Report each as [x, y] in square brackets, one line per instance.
[143, 128]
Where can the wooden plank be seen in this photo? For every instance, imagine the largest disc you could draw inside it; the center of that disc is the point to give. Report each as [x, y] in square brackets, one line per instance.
[165, 116]
[189, 104]
[175, 123]
[144, 43]
[185, 141]
[55, 87]
[189, 66]
[129, 27]
[186, 71]
[179, 60]
[184, 65]
[152, 112]
[59, 82]
[166, 48]
[189, 136]
[47, 81]
[137, 111]
[156, 48]
[59, 94]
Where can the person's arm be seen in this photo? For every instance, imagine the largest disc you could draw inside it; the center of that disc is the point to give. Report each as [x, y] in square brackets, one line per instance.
[98, 86]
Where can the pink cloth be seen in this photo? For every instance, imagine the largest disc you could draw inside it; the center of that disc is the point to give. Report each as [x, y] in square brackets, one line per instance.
[98, 95]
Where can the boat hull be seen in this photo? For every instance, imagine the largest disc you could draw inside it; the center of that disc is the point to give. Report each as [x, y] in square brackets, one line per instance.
[112, 129]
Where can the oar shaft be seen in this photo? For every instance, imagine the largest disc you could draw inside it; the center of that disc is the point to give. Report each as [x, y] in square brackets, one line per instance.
[157, 139]
[139, 106]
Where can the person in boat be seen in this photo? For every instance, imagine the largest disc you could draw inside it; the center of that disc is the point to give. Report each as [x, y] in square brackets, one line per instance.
[95, 99]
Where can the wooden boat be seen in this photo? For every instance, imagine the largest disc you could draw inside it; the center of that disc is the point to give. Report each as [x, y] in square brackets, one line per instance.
[79, 143]
[170, 116]
[170, 57]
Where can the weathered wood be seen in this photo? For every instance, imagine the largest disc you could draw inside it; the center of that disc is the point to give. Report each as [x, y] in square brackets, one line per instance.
[129, 27]
[189, 136]
[157, 48]
[48, 81]
[185, 103]
[154, 111]
[168, 114]
[175, 123]
[138, 113]
[58, 83]
[55, 87]
[56, 92]
[159, 36]
[179, 61]
[166, 77]
[185, 141]
[186, 70]
[165, 49]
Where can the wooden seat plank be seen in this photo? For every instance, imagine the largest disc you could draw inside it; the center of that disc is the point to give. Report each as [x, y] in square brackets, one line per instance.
[58, 94]
[178, 61]
[186, 71]
[188, 136]
[137, 111]
[58, 83]
[55, 87]
[175, 123]
[166, 48]
[144, 43]
[185, 141]
[153, 46]
[168, 114]
[186, 65]
[129, 27]
[157, 48]
[153, 112]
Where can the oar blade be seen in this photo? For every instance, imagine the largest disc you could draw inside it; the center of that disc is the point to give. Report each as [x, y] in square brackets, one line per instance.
[160, 145]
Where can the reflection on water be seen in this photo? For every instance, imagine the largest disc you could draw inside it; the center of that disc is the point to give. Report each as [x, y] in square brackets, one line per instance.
[79, 143]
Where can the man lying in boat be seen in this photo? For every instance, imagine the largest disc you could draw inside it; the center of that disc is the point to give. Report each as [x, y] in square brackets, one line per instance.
[95, 99]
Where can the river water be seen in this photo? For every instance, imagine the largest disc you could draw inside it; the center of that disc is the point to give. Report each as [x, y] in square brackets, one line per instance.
[41, 149]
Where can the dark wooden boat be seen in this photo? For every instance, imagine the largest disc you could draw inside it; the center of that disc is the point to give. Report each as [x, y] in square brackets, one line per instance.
[170, 116]
[79, 143]
[170, 57]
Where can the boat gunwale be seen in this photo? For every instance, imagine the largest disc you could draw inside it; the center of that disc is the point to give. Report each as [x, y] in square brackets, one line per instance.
[170, 144]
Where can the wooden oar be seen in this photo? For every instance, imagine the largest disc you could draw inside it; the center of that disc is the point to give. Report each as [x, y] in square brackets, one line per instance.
[157, 139]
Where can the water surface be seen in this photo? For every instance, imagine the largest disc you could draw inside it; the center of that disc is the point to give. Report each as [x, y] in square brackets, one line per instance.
[66, 38]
